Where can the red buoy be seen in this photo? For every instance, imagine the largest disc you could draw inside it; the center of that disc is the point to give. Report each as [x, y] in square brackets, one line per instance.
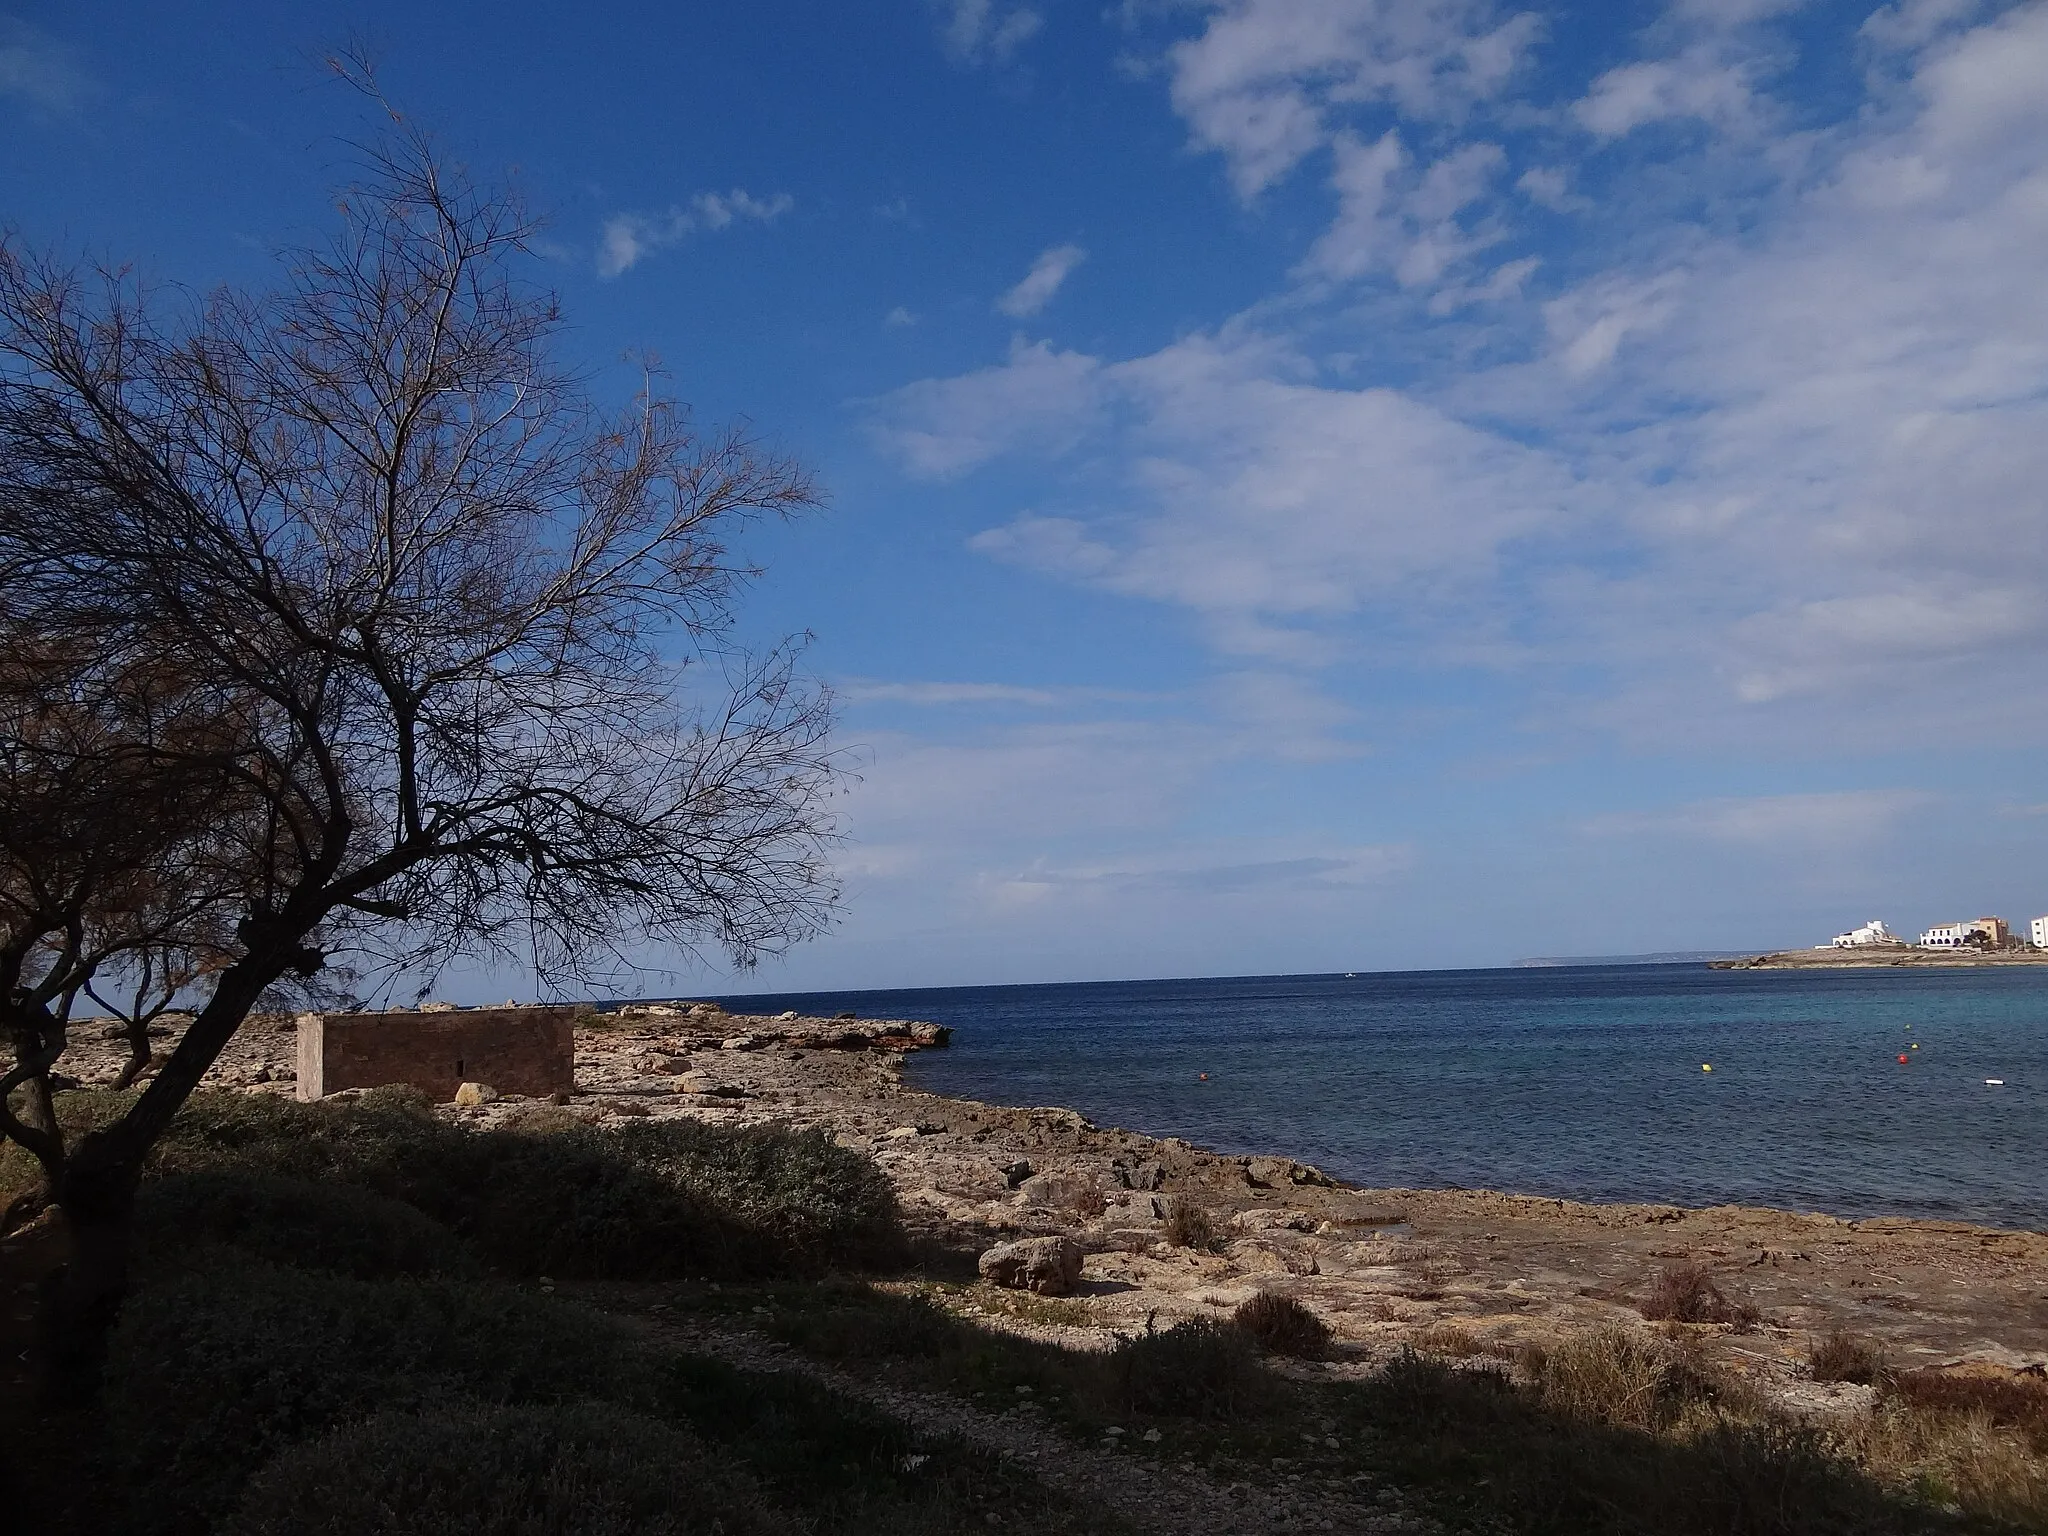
[1904, 1059]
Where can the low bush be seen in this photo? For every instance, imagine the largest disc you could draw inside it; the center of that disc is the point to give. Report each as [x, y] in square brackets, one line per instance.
[652, 1200]
[1686, 1293]
[1283, 1326]
[1842, 1356]
[1189, 1225]
[216, 1367]
[1198, 1368]
[295, 1222]
[468, 1469]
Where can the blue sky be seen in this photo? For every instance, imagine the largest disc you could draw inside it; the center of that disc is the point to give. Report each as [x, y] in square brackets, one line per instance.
[1316, 484]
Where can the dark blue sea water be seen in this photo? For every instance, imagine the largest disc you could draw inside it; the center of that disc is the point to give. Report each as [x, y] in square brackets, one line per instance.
[1579, 1081]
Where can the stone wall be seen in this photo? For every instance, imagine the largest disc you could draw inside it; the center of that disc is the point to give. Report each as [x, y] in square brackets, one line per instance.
[514, 1050]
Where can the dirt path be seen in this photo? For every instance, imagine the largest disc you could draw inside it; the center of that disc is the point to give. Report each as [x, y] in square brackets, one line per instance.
[1168, 1501]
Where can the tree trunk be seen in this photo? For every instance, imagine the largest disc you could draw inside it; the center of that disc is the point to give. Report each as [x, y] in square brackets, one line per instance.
[95, 1192]
[82, 1297]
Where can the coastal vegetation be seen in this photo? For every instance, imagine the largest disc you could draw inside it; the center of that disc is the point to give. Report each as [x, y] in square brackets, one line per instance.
[329, 1297]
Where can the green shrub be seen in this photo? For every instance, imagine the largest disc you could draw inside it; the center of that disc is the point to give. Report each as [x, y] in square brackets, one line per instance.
[78, 1111]
[1198, 1368]
[653, 1200]
[1283, 1326]
[214, 1368]
[295, 1222]
[574, 1469]
[827, 1204]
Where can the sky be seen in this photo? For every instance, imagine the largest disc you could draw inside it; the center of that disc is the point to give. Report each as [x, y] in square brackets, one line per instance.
[1315, 484]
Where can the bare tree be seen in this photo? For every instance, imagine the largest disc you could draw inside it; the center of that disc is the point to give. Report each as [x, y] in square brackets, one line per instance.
[478, 631]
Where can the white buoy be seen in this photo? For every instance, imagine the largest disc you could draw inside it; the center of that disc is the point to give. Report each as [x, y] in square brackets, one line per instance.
[1994, 1082]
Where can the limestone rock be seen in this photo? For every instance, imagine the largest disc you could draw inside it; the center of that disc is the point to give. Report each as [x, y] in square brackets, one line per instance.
[1140, 1176]
[704, 1082]
[1280, 1172]
[1046, 1266]
[474, 1095]
[1057, 1191]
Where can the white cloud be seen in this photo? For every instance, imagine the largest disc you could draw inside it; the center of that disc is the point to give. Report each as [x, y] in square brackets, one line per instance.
[1913, 23]
[39, 71]
[899, 317]
[1550, 186]
[628, 237]
[1407, 225]
[1036, 290]
[1837, 819]
[1698, 83]
[1588, 326]
[943, 427]
[983, 32]
[1058, 546]
[943, 695]
[1269, 81]
[1262, 501]
[1325, 870]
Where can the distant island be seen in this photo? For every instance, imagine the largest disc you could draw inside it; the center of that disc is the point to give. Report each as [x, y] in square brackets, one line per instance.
[1661, 957]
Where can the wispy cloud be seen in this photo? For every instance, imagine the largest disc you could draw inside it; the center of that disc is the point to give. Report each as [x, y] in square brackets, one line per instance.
[39, 71]
[942, 427]
[1776, 821]
[1731, 462]
[1325, 871]
[1052, 268]
[629, 237]
[861, 691]
[1270, 81]
[983, 31]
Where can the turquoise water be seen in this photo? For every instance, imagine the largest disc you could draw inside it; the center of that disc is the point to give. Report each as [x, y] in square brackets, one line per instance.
[1580, 1081]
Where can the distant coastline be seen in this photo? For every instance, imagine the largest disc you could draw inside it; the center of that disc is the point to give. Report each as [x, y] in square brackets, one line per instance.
[1659, 957]
[1877, 955]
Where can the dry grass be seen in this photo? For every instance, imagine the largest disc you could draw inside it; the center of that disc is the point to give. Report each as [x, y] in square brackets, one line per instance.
[1979, 1444]
[1190, 1226]
[1283, 1326]
[1447, 1339]
[1952, 1451]
[1686, 1293]
[1633, 1380]
[1842, 1356]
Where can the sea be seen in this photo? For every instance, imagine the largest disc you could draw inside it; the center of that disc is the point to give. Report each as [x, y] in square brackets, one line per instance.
[1857, 1093]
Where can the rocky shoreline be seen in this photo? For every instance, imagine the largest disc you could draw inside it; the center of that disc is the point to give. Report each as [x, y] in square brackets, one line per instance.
[1869, 955]
[1458, 1272]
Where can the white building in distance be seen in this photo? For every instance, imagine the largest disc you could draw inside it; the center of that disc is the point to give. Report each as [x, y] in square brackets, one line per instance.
[1991, 932]
[2037, 933]
[1872, 932]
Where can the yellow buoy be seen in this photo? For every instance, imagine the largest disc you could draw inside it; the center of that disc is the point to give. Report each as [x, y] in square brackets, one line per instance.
[1916, 1045]
[1705, 1067]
